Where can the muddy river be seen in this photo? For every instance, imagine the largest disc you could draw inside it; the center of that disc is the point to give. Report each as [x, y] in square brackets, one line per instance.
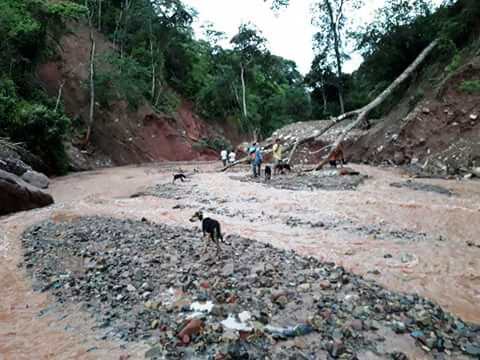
[407, 239]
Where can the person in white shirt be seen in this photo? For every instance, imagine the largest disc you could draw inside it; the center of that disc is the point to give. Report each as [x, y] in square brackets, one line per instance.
[223, 156]
[231, 157]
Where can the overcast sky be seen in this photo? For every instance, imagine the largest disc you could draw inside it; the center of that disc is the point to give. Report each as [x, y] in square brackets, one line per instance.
[289, 32]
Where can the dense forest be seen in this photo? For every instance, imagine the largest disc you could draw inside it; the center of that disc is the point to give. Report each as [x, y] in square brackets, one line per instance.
[157, 58]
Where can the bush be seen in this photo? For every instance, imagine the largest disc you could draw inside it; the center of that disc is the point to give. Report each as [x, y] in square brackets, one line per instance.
[216, 143]
[471, 87]
[168, 101]
[42, 131]
[120, 79]
[455, 63]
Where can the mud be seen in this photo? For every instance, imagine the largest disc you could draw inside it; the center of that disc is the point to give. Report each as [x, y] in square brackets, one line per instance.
[440, 266]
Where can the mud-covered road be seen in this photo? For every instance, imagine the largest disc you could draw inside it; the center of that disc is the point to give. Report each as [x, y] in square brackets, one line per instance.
[410, 238]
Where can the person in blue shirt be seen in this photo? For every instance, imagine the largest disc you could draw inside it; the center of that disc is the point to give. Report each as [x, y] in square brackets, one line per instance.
[257, 162]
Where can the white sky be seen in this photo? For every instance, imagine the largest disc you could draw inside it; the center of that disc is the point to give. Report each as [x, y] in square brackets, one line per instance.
[289, 33]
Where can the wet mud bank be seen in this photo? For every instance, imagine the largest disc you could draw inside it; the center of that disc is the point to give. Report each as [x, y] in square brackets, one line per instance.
[145, 281]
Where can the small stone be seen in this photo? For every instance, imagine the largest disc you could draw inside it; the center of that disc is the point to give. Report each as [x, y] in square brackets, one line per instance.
[192, 328]
[281, 300]
[356, 324]
[325, 284]
[473, 116]
[399, 327]
[304, 287]
[154, 324]
[472, 349]
[154, 352]
[131, 288]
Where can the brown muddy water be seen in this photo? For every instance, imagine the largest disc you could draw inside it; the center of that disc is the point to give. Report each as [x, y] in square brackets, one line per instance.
[408, 240]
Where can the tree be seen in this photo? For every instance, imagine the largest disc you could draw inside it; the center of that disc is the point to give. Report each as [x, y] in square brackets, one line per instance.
[91, 76]
[330, 16]
[250, 45]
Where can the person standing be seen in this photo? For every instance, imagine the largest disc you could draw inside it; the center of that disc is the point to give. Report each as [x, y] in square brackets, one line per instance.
[257, 164]
[251, 153]
[277, 154]
[223, 156]
[232, 157]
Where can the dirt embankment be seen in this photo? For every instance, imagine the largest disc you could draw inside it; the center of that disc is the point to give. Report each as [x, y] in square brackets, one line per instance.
[441, 133]
[122, 135]
[431, 124]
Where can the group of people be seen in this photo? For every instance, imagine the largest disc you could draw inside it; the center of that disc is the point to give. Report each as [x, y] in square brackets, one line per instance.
[256, 156]
[228, 157]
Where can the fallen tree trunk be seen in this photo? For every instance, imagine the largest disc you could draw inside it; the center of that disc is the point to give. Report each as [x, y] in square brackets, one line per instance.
[363, 113]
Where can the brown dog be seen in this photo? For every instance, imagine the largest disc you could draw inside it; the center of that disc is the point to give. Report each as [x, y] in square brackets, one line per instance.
[337, 155]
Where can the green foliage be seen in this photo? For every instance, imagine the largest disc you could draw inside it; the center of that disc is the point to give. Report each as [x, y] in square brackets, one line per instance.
[471, 87]
[26, 111]
[8, 100]
[119, 79]
[455, 64]
[67, 10]
[41, 129]
[216, 143]
[168, 101]
[418, 96]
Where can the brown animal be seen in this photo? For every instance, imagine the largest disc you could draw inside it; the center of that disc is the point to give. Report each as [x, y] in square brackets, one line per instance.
[337, 155]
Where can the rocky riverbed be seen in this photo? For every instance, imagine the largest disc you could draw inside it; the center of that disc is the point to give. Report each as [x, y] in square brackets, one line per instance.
[147, 281]
[331, 179]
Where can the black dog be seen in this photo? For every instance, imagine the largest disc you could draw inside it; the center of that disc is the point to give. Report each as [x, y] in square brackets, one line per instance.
[209, 227]
[178, 176]
[268, 173]
[281, 167]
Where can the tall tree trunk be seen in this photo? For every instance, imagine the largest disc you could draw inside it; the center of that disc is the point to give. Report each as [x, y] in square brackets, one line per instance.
[92, 88]
[244, 99]
[324, 98]
[126, 7]
[117, 28]
[59, 96]
[154, 80]
[336, 43]
[99, 21]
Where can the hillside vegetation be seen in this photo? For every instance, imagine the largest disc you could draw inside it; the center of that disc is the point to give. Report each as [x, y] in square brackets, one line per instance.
[139, 74]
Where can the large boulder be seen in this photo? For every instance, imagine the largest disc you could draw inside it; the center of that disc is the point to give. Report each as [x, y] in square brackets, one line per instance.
[36, 179]
[17, 195]
[13, 165]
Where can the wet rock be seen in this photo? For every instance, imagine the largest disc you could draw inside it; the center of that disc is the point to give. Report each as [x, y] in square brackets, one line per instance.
[192, 328]
[471, 349]
[399, 327]
[14, 166]
[398, 356]
[325, 284]
[17, 195]
[36, 179]
[398, 158]
[154, 352]
[336, 348]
